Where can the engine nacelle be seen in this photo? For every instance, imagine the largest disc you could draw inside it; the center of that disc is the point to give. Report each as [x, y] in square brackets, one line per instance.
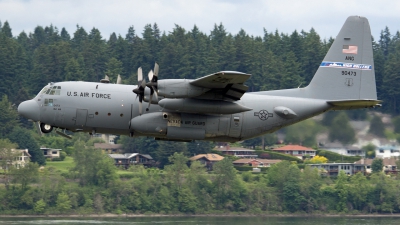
[179, 88]
[151, 124]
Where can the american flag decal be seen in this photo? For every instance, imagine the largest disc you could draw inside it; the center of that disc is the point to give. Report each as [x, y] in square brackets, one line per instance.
[350, 49]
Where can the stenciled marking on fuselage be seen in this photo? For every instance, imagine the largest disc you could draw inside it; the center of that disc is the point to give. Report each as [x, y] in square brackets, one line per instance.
[346, 65]
[187, 122]
[88, 95]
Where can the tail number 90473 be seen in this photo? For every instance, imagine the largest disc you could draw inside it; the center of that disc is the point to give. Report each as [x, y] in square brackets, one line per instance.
[349, 73]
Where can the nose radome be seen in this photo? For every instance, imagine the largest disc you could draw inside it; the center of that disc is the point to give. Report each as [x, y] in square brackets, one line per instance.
[30, 110]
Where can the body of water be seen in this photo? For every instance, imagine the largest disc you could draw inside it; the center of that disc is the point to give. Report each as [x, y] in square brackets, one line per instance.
[211, 220]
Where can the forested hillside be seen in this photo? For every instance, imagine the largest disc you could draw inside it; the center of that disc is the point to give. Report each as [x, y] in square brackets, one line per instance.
[276, 60]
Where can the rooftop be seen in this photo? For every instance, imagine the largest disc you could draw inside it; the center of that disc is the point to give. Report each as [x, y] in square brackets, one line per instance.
[209, 157]
[293, 148]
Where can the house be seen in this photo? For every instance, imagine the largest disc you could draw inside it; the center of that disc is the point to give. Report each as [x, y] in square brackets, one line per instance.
[256, 162]
[21, 157]
[108, 138]
[299, 151]
[339, 148]
[207, 159]
[128, 159]
[333, 169]
[389, 165]
[387, 151]
[51, 152]
[237, 151]
[109, 148]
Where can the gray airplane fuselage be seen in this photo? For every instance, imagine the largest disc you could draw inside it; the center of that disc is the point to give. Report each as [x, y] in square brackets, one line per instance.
[109, 108]
[214, 107]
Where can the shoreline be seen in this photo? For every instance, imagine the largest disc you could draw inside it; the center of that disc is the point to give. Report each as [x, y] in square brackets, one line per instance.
[111, 215]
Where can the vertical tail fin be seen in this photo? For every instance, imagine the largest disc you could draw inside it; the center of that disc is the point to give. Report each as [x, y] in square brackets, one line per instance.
[347, 71]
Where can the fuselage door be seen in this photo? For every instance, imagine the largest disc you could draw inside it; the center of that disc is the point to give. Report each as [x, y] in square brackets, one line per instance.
[81, 116]
[236, 125]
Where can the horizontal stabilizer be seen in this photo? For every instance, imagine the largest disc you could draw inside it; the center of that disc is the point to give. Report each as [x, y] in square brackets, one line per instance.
[354, 103]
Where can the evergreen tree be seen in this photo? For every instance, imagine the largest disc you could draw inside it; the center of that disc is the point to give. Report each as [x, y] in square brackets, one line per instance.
[167, 149]
[6, 30]
[65, 35]
[377, 127]
[8, 117]
[377, 165]
[341, 130]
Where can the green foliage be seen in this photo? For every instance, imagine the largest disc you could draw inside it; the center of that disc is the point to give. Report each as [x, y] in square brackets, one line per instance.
[63, 202]
[377, 127]
[200, 147]
[396, 124]
[276, 60]
[8, 117]
[276, 155]
[168, 148]
[26, 175]
[92, 167]
[377, 165]
[303, 133]
[24, 139]
[341, 130]
[39, 207]
[335, 157]
[369, 151]
[342, 192]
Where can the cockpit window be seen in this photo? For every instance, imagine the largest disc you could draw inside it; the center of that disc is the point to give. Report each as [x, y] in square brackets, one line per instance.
[55, 90]
[44, 90]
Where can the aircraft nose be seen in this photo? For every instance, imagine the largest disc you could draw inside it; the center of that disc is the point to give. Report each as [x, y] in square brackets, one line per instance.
[30, 110]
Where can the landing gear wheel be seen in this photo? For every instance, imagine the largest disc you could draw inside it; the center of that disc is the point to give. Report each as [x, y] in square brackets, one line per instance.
[45, 128]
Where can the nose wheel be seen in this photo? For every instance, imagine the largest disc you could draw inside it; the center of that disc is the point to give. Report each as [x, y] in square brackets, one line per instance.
[45, 128]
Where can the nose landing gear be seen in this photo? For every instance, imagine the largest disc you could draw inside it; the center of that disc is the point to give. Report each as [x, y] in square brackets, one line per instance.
[45, 128]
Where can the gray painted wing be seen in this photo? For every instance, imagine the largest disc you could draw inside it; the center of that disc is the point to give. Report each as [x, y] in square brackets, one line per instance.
[227, 85]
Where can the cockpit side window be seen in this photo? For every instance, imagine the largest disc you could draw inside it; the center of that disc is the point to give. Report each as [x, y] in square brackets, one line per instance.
[48, 102]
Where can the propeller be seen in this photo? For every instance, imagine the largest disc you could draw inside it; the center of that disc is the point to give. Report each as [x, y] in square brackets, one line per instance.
[119, 80]
[152, 84]
[139, 91]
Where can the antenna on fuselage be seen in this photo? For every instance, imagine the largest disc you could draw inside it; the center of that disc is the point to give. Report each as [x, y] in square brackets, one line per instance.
[105, 80]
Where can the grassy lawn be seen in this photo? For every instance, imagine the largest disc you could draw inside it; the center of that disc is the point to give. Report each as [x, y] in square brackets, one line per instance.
[62, 166]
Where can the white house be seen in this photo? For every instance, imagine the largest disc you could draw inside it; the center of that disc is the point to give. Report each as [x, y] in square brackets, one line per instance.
[21, 157]
[387, 151]
[51, 152]
[339, 148]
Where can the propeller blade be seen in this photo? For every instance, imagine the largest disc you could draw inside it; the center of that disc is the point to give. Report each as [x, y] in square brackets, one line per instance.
[139, 91]
[139, 74]
[140, 105]
[143, 85]
[150, 75]
[156, 69]
[119, 80]
[151, 98]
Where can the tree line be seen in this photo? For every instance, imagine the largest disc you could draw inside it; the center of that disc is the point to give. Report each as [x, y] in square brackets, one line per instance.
[275, 60]
[92, 185]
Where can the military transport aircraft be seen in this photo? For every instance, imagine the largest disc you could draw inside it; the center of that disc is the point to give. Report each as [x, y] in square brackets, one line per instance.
[214, 107]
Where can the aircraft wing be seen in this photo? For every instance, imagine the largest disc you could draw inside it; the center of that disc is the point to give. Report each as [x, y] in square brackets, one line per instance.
[223, 85]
